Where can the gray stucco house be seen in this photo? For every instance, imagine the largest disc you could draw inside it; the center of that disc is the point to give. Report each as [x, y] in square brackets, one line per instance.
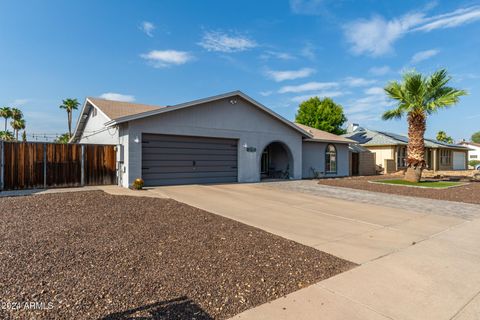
[224, 138]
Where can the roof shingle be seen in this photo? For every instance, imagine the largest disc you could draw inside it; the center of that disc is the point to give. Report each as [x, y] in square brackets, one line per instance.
[119, 109]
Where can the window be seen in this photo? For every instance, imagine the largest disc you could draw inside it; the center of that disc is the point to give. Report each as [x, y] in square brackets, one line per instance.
[94, 112]
[473, 156]
[445, 157]
[402, 157]
[331, 159]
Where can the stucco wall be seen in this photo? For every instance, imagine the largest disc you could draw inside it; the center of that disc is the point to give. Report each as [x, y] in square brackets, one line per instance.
[382, 154]
[95, 131]
[242, 121]
[314, 158]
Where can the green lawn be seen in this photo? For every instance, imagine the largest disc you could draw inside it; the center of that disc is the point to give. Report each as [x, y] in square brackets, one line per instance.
[423, 184]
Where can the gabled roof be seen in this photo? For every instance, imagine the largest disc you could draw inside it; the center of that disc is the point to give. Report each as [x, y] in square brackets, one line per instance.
[118, 112]
[320, 135]
[118, 109]
[206, 100]
[469, 143]
[371, 138]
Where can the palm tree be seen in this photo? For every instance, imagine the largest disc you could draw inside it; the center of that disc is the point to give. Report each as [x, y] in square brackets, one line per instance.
[17, 125]
[6, 113]
[69, 105]
[418, 97]
[6, 135]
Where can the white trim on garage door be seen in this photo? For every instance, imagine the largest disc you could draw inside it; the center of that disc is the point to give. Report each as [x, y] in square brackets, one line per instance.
[171, 159]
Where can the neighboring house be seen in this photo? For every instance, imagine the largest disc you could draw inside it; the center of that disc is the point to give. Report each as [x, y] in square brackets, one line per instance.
[474, 150]
[224, 138]
[391, 150]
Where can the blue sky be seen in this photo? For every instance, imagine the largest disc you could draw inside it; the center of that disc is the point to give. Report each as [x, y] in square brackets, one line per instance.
[278, 52]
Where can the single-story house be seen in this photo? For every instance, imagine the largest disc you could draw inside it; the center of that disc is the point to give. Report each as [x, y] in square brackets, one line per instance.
[391, 148]
[474, 150]
[224, 138]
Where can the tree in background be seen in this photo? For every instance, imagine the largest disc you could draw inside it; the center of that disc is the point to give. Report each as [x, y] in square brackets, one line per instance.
[6, 136]
[443, 137]
[418, 97]
[323, 114]
[64, 138]
[69, 105]
[476, 137]
[6, 113]
[24, 136]
[17, 125]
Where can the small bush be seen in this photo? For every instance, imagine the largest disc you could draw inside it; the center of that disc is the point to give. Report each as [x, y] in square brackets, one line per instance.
[473, 163]
[138, 184]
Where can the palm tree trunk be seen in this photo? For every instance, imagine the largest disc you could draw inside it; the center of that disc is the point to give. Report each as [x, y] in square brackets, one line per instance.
[16, 135]
[69, 113]
[6, 119]
[416, 146]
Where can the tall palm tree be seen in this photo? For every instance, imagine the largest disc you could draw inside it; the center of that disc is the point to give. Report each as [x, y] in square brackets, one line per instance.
[69, 105]
[17, 125]
[6, 113]
[417, 97]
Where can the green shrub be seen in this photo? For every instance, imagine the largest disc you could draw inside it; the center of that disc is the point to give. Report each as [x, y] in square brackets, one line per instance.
[138, 184]
[473, 163]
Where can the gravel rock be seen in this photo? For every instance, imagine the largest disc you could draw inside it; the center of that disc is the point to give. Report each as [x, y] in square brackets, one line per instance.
[90, 255]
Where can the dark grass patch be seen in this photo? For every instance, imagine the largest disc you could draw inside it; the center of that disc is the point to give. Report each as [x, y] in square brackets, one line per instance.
[94, 255]
[420, 184]
[468, 193]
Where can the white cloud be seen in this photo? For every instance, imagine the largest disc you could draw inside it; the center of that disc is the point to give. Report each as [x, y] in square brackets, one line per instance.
[324, 94]
[165, 58]
[279, 76]
[147, 28]
[424, 55]
[450, 20]
[117, 97]
[379, 71]
[308, 51]
[358, 82]
[266, 93]
[309, 86]
[374, 91]
[277, 54]
[223, 42]
[377, 35]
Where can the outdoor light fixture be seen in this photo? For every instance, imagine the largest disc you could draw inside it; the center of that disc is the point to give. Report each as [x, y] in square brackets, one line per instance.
[233, 101]
[136, 140]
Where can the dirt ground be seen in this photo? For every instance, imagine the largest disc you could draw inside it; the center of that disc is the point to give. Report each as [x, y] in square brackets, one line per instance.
[469, 193]
[90, 255]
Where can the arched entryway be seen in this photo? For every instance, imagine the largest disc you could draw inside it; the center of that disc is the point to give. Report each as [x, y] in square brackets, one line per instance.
[276, 161]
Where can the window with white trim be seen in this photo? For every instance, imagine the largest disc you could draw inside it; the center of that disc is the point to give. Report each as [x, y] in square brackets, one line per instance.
[331, 159]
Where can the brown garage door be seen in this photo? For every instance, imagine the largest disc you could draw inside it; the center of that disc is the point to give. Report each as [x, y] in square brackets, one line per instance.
[169, 159]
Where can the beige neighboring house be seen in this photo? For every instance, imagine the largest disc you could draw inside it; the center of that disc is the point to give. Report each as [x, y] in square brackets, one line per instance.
[474, 152]
[391, 150]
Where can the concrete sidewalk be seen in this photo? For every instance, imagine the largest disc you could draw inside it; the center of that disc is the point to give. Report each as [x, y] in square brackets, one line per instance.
[413, 265]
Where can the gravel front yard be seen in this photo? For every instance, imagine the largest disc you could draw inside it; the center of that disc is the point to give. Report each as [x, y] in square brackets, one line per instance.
[469, 193]
[90, 255]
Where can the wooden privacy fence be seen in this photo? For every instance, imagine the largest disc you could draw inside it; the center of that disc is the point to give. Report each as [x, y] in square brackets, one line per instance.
[48, 165]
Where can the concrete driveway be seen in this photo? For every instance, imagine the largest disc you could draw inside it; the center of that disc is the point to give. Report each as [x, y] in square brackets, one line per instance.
[414, 265]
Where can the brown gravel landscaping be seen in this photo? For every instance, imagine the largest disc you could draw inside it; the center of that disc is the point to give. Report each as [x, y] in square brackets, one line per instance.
[469, 193]
[97, 256]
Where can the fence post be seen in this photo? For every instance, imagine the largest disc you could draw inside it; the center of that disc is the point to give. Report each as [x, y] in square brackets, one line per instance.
[82, 167]
[2, 166]
[45, 166]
